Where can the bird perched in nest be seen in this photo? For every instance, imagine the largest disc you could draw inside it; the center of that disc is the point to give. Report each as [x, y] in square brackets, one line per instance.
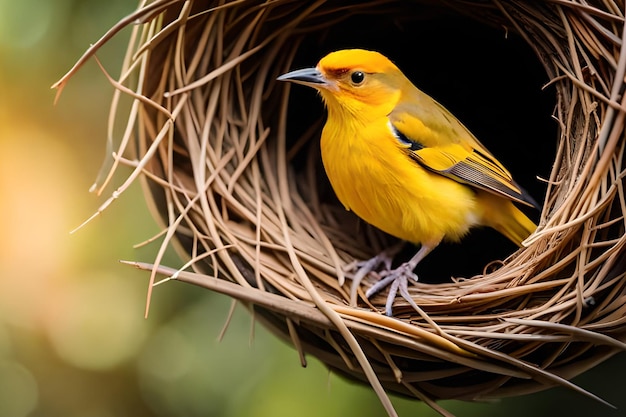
[405, 164]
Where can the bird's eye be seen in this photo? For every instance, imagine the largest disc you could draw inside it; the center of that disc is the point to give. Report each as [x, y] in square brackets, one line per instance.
[357, 77]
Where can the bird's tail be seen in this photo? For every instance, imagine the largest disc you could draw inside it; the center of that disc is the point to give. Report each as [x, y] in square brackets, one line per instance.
[507, 219]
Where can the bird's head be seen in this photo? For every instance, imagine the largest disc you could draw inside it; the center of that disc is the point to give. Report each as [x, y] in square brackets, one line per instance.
[354, 80]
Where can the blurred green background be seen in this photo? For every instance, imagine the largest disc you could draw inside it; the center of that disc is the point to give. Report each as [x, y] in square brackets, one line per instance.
[73, 340]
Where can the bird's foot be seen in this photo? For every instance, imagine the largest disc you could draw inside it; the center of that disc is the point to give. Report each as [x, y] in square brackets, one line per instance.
[363, 268]
[397, 280]
[380, 266]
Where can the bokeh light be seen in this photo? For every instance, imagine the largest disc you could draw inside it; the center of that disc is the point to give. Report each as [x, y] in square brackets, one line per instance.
[16, 15]
[92, 325]
[18, 390]
[73, 338]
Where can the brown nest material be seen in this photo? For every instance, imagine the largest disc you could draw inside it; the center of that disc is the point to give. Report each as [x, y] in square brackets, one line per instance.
[242, 197]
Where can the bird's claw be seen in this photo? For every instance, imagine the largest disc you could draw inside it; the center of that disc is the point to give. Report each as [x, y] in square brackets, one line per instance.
[404, 272]
[397, 279]
[363, 268]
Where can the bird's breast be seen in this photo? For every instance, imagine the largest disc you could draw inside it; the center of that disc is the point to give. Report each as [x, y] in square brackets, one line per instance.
[372, 176]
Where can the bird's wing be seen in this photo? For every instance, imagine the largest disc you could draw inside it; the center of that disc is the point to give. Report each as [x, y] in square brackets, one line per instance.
[436, 140]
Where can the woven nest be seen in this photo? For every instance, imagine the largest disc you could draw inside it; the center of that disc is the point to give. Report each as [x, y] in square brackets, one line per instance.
[241, 195]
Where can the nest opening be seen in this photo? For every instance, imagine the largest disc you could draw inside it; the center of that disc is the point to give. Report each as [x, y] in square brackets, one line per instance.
[489, 78]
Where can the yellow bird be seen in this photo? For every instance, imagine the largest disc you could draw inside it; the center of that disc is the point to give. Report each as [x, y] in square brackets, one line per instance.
[403, 163]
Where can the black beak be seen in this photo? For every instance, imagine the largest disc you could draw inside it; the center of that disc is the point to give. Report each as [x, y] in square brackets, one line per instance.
[307, 76]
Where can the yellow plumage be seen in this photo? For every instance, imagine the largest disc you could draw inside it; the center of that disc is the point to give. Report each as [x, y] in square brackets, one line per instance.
[403, 163]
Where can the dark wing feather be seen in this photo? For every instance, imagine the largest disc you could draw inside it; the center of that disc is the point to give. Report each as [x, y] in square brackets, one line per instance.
[462, 162]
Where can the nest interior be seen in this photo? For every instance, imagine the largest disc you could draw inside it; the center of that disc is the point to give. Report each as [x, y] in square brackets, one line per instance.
[230, 161]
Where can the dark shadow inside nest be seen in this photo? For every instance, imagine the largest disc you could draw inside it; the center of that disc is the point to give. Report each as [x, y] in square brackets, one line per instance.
[489, 78]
